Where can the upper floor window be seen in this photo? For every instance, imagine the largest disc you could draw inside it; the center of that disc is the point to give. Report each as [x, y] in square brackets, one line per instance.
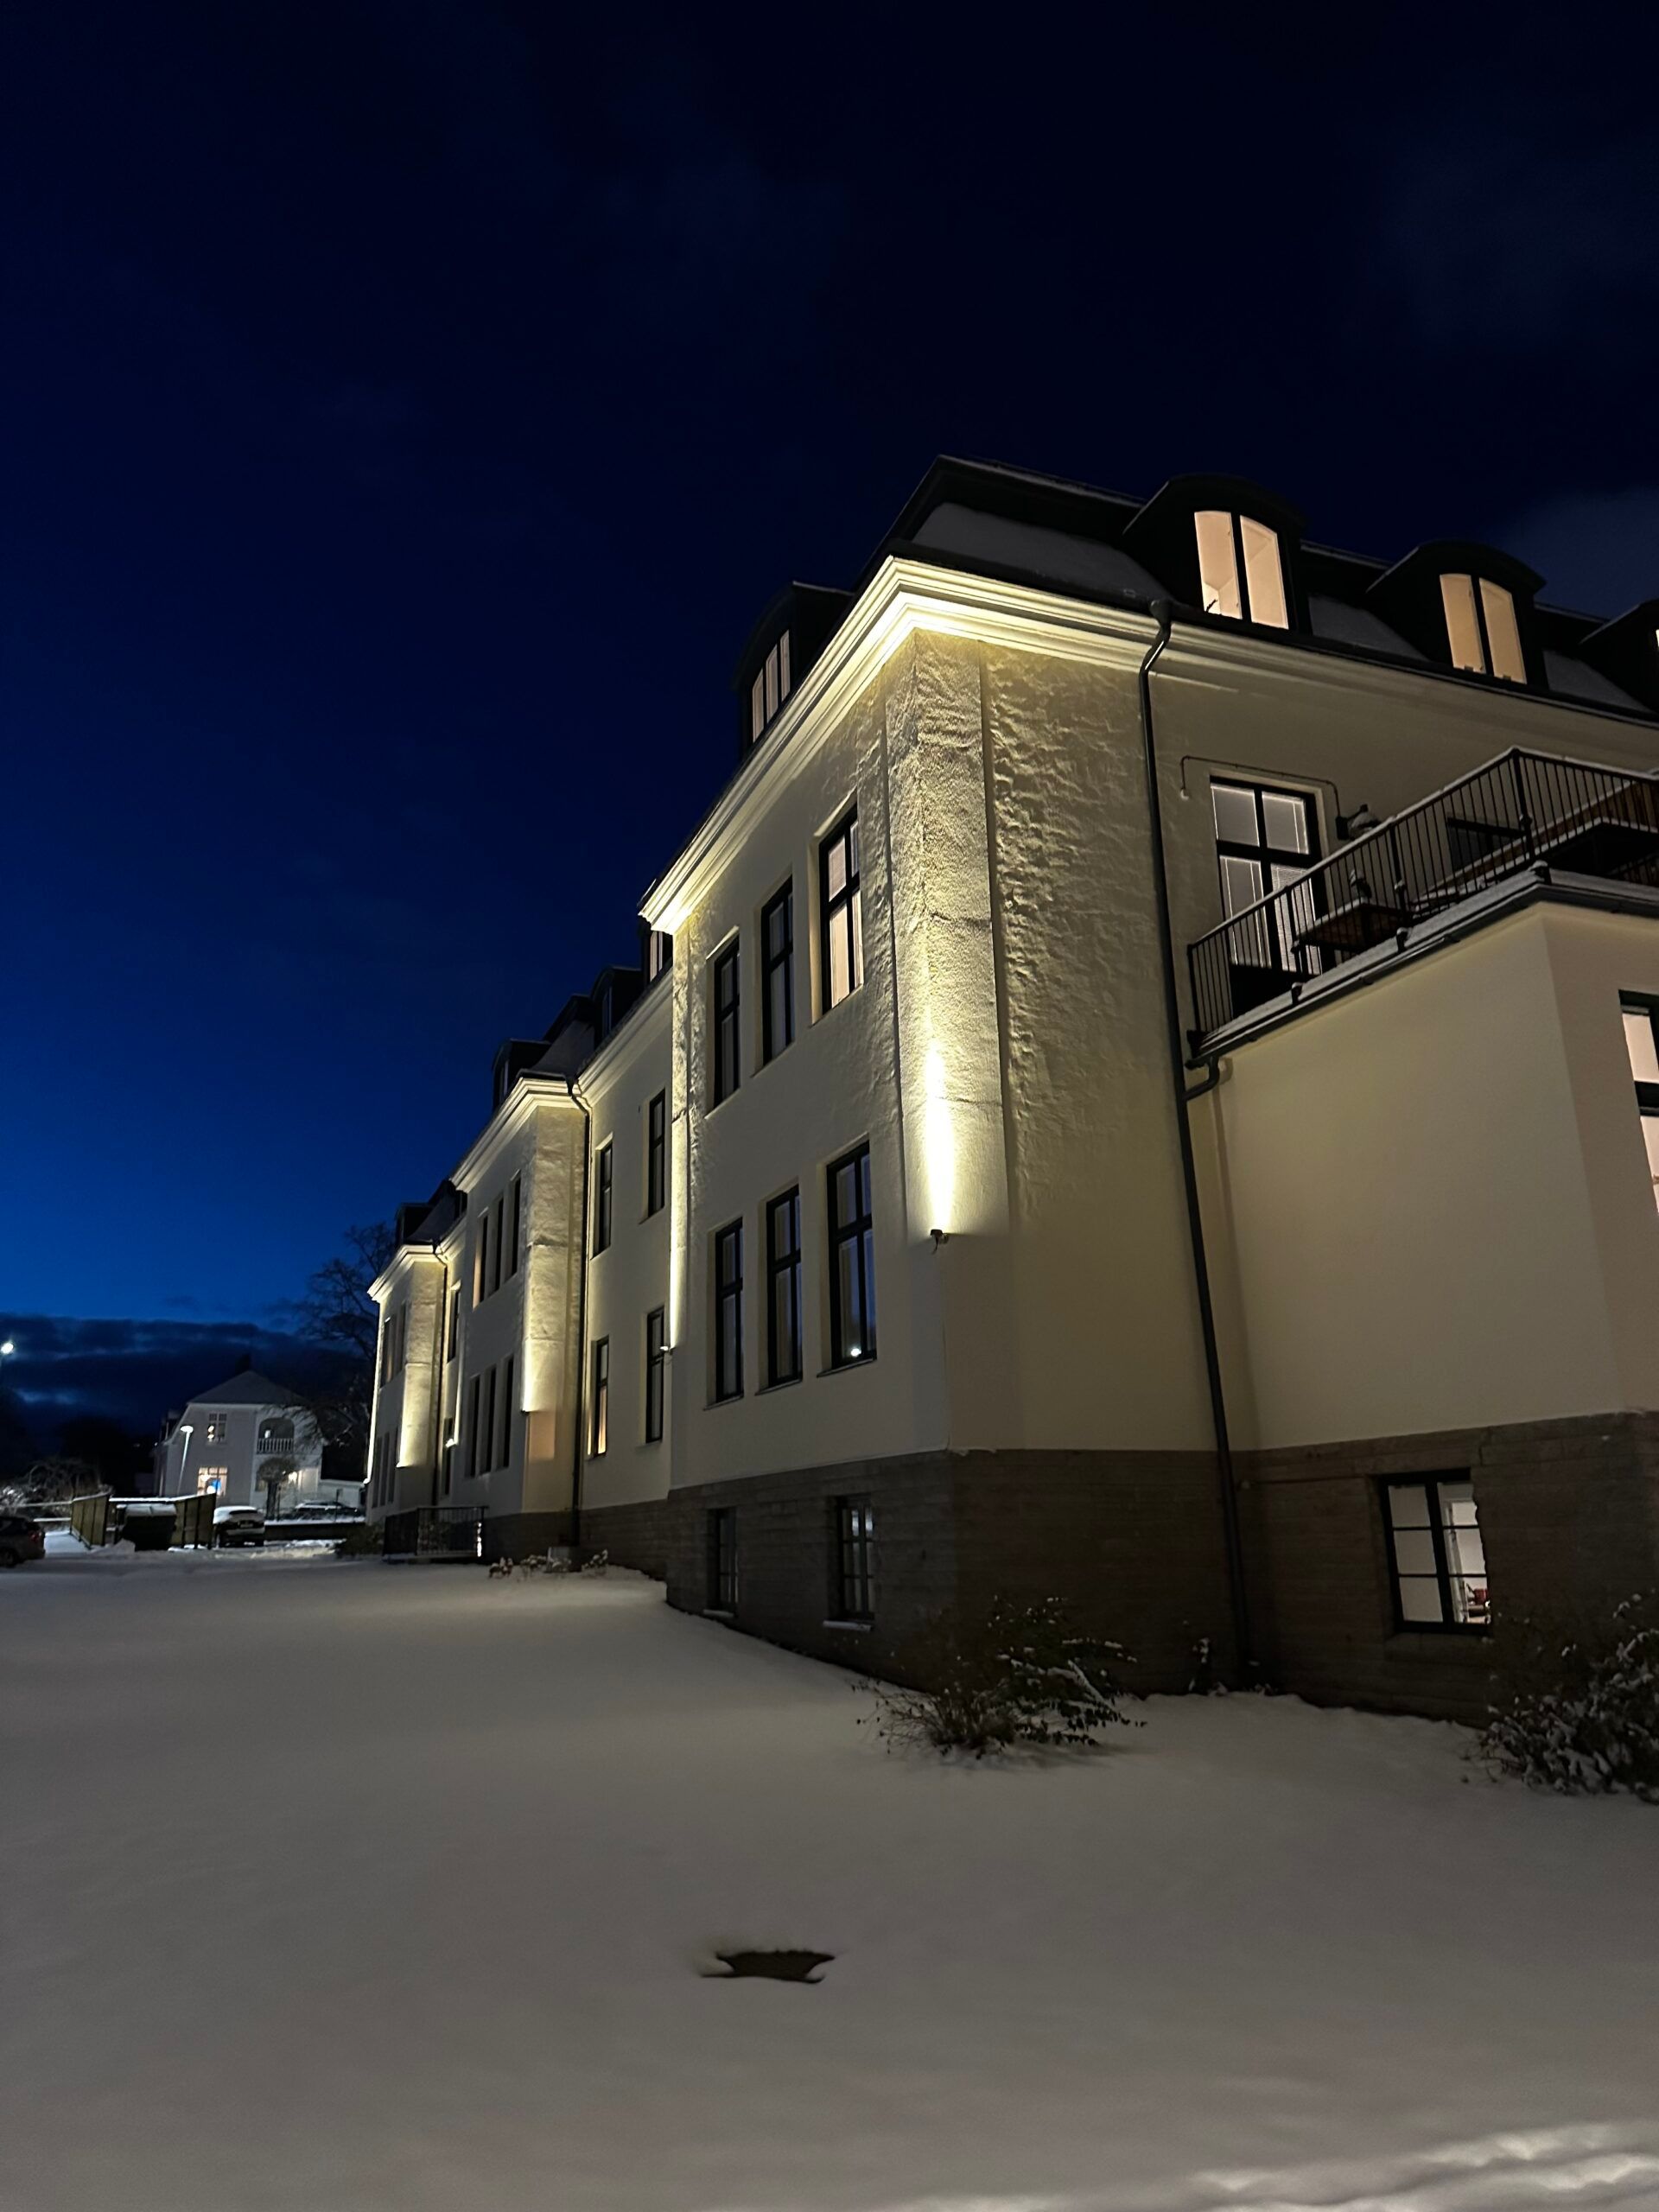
[777, 973]
[656, 1358]
[784, 1289]
[1241, 569]
[1641, 1043]
[517, 1224]
[726, 1029]
[481, 1259]
[852, 1260]
[770, 689]
[455, 1324]
[728, 1312]
[659, 953]
[599, 1433]
[657, 1153]
[218, 1428]
[602, 1196]
[1264, 840]
[842, 918]
[1481, 628]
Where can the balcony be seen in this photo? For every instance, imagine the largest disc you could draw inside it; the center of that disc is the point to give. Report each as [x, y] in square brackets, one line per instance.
[1522, 813]
[273, 1441]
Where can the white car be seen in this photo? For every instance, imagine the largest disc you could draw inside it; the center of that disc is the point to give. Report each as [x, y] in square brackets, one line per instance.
[237, 1524]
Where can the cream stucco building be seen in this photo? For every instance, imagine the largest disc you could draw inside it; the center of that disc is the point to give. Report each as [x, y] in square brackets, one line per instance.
[1138, 1090]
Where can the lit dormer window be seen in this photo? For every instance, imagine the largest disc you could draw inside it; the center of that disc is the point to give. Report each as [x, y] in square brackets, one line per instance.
[1241, 571]
[1481, 627]
[771, 688]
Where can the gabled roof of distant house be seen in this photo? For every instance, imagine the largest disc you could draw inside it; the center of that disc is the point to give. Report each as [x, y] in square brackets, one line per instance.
[249, 1388]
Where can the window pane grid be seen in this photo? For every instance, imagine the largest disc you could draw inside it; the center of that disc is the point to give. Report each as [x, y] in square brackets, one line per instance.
[656, 1352]
[852, 1260]
[599, 1428]
[855, 1591]
[842, 915]
[657, 1153]
[728, 1313]
[727, 1014]
[1436, 1556]
[784, 1289]
[778, 958]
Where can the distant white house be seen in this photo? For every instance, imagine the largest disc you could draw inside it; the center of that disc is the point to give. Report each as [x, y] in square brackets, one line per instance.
[249, 1442]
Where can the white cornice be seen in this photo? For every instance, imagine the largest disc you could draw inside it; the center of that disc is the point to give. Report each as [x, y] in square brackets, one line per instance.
[633, 1037]
[405, 1257]
[904, 596]
[528, 1094]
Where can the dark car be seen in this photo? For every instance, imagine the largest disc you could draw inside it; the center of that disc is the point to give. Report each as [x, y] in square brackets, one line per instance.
[20, 1539]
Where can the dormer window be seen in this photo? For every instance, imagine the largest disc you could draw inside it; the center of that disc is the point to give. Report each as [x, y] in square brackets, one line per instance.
[1481, 628]
[771, 688]
[1241, 569]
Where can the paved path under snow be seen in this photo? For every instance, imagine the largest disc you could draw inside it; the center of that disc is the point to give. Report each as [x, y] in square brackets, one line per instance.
[343, 1888]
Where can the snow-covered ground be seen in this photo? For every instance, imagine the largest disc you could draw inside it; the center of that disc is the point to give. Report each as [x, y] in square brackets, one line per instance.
[331, 1886]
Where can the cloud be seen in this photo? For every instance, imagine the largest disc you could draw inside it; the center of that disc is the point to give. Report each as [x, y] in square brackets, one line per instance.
[1597, 551]
[137, 1371]
[1519, 233]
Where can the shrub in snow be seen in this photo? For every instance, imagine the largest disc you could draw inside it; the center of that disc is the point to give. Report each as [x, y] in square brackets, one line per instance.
[365, 1541]
[1014, 1674]
[1584, 1715]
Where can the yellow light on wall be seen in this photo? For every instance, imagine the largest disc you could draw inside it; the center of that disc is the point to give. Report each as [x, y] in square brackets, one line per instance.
[939, 1146]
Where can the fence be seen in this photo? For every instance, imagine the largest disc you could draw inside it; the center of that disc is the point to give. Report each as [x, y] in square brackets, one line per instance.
[1519, 812]
[436, 1532]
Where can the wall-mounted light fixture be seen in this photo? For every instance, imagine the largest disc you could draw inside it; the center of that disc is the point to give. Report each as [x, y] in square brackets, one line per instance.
[1355, 824]
[940, 1237]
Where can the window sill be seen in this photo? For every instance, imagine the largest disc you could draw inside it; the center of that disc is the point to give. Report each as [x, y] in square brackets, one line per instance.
[717, 1613]
[851, 1628]
[713, 1405]
[849, 1366]
[784, 1382]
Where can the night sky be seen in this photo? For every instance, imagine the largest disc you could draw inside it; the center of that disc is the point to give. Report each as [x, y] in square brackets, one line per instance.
[409, 408]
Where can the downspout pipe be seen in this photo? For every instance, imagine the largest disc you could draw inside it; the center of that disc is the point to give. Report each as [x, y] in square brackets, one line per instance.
[582, 1314]
[1164, 615]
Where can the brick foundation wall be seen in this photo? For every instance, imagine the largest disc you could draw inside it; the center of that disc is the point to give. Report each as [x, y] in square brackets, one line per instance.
[1132, 1543]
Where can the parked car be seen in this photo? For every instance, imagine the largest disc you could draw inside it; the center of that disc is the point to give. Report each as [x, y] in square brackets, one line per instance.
[20, 1539]
[237, 1524]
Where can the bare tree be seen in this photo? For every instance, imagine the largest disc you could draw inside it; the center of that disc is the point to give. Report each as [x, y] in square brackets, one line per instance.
[338, 1315]
[48, 1482]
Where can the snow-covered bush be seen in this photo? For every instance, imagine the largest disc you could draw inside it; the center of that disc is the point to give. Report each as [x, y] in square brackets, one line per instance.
[1585, 1716]
[1014, 1674]
[366, 1541]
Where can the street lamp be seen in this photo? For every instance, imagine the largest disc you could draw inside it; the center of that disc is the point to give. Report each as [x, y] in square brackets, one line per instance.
[7, 1349]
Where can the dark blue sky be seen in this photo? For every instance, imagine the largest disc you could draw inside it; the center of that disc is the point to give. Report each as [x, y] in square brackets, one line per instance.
[409, 408]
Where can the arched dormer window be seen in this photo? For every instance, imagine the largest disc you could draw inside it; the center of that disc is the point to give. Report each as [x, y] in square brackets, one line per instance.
[1224, 545]
[1467, 607]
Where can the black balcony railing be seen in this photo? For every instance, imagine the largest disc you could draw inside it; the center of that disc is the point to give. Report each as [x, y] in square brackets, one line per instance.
[1519, 812]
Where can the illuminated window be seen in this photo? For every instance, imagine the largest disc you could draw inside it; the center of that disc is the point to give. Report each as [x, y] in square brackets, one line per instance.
[656, 1359]
[852, 1260]
[728, 1312]
[770, 689]
[1640, 1017]
[1481, 628]
[853, 1592]
[1435, 1554]
[784, 1289]
[1266, 840]
[726, 1031]
[722, 1560]
[841, 917]
[777, 973]
[218, 1428]
[599, 1434]
[657, 1153]
[1241, 569]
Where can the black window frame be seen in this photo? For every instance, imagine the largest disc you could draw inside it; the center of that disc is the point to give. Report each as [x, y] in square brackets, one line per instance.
[858, 1229]
[726, 1022]
[656, 1376]
[598, 1409]
[517, 1224]
[481, 1259]
[831, 906]
[486, 1422]
[656, 1155]
[474, 1393]
[728, 1288]
[1448, 1624]
[495, 1254]
[784, 1261]
[1288, 960]
[504, 1453]
[779, 963]
[722, 1559]
[455, 1324]
[604, 1196]
[854, 1583]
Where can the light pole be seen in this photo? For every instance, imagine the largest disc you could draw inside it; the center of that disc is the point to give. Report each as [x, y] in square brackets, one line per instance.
[186, 1430]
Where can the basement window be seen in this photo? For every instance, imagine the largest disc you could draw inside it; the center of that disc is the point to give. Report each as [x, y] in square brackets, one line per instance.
[1241, 569]
[1642, 1044]
[1481, 628]
[1436, 1559]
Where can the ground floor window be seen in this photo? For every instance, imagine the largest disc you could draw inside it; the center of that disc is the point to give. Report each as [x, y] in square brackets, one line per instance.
[854, 1595]
[1435, 1554]
[722, 1560]
[1642, 1042]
